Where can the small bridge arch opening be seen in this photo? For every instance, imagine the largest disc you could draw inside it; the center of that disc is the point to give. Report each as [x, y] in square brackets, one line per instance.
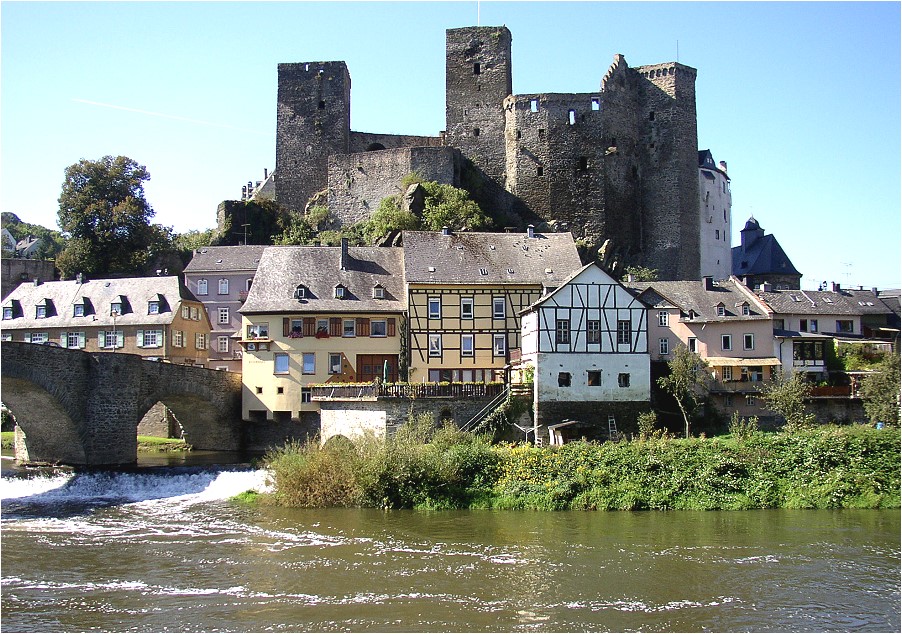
[45, 431]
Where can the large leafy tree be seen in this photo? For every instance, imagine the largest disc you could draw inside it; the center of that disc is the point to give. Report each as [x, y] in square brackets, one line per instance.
[103, 210]
[880, 391]
[786, 396]
[686, 381]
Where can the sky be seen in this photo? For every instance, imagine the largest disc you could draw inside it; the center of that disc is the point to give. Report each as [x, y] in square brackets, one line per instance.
[802, 100]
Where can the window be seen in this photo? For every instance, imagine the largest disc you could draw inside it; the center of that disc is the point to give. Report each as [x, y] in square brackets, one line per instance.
[726, 342]
[571, 116]
[306, 395]
[663, 318]
[692, 344]
[721, 310]
[334, 363]
[201, 287]
[844, 325]
[224, 286]
[322, 326]
[593, 379]
[300, 292]
[533, 105]
[340, 292]
[40, 311]
[750, 399]
[186, 312]
[664, 345]
[748, 341]
[8, 312]
[466, 308]
[745, 310]
[563, 379]
[483, 270]
[623, 379]
[111, 339]
[808, 325]
[309, 363]
[258, 331]
[195, 313]
[593, 331]
[778, 324]
[596, 103]
[378, 328]
[6, 336]
[562, 331]
[624, 334]
[726, 373]
[498, 308]
[499, 345]
[39, 337]
[222, 344]
[153, 308]
[200, 341]
[224, 315]
[150, 338]
[348, 329]
[540, 170]
[280, 363]
[466, 345]
[476, 68]
[378, 291]
[74, 339]
[435, 345]
[435, 308]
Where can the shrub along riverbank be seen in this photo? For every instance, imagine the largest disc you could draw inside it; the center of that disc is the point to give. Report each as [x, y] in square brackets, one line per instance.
[825, 467]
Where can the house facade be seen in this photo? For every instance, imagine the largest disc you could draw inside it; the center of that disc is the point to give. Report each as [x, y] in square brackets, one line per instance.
[317, 315]
[587, 345]
[726, 325]
[715, 207]
[465, 292]
[220, 277]
[155, 317]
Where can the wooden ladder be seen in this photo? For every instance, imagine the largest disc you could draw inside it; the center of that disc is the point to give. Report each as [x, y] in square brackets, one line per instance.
[612, 426]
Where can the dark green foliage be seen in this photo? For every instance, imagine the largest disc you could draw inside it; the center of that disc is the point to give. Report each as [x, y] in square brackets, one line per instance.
[685, 382]
[786, 396]
[880, 391]
[52, 242]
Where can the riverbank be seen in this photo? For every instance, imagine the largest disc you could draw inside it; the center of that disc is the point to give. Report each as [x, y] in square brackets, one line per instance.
[826, 467]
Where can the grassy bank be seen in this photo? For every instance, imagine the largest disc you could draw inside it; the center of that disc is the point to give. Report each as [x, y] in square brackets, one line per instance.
[152, 444]
[8, 439]
[826, 467]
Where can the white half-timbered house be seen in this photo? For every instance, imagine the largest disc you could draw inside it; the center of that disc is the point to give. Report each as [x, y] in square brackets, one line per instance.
[587, 344]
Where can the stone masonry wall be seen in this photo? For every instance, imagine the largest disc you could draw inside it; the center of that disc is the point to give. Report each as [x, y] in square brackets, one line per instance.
[14, 271]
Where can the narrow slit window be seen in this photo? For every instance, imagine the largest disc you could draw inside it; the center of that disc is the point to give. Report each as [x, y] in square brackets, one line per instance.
[583, 163]
[596, 103]
[534, 105]
[475, 131]
[322, 105]
[571, 116]
[476, 69]
[539, 170]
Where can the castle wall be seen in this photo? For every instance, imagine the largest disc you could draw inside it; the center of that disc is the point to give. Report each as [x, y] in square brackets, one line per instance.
[358, 182]
[365, 141]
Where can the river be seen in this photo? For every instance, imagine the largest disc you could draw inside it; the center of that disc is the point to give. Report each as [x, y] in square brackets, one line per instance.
[164, 549]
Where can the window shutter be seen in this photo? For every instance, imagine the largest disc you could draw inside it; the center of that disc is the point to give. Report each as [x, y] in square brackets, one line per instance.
[309, 326]
[363, 327]
[101, 338]
[286, 326]
[391, 327]
[81, 340]
[140, 339]
[120, 339]
[63, 339]
[334, 327]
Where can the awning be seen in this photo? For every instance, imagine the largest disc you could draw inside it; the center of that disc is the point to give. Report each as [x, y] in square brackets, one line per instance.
[735, 361]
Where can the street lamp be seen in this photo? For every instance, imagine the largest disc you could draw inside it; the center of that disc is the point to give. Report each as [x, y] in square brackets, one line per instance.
[115, 313]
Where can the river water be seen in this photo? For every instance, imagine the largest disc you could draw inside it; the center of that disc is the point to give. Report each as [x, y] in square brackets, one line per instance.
[165, 549]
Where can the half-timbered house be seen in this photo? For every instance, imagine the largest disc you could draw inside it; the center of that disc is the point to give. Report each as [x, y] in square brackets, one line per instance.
[465, 292]
[587, 345]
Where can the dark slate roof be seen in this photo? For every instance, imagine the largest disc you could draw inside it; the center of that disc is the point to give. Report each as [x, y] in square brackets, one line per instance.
[842, 302]
[282, 269]
[762, 257]
[100, 294]
[431, 257]
[224, 259]
[692, 296]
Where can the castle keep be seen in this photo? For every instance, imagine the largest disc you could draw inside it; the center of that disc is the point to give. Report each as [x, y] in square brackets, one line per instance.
[620, 163]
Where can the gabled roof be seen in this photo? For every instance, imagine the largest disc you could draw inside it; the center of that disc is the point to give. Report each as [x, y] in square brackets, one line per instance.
[97, 296]
[318, 269]
[431, 257]
[605, 279]
[842, 302]
[693, 296]
[225, 259]
[760, 254]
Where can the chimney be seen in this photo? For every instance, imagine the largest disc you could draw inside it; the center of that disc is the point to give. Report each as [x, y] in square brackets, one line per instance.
[875, 291]
[446, 230]
[630, 278]
[835, 287]
[531, 231]
[708, 282]
[723, 166]
[265, 173]
[79, 278]
[344, 254]
[37, 281]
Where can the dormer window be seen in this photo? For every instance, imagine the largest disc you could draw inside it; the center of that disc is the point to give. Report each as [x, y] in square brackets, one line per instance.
[116, 308]
[300, 292]
[78, 310]
[483, 271]
[153, 307]
[721, 310]
[378, 291]
[43, 309]
[745, 310]
[340, 291]
[7, 312]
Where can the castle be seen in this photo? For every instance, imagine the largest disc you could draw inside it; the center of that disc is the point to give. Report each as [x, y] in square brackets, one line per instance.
[618, 164]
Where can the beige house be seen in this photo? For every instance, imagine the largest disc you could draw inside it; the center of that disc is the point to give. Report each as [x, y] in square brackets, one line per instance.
[465, 292]
[726, 324]
[318, 315]
[155, 317]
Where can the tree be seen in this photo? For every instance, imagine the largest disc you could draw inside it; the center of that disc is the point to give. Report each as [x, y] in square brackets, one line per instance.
[52, 242]
[389, 216]
[448, 206]
[686, 381]
[786, 396]
[880, 391]
[103, 210]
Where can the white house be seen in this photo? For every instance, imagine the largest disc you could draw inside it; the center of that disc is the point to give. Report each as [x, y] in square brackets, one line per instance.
[587, 344]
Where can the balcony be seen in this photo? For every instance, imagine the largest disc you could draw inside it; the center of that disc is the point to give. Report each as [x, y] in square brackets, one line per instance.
[374, 391]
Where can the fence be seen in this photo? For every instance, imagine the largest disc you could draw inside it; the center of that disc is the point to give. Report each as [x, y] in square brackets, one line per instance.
[373, 391]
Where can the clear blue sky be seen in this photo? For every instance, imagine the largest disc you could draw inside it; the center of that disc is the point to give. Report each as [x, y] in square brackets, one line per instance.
[801, 99]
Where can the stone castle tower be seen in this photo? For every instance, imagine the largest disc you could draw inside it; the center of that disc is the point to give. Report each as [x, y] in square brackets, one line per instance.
[620, 163]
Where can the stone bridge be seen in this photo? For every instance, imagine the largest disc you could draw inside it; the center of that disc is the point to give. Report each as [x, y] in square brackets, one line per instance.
[82, 408]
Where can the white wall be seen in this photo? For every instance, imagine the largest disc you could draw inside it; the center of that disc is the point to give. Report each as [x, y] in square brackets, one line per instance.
[352, 424]
[549, 365]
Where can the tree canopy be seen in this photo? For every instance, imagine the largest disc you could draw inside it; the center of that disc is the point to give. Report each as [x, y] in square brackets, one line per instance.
[686, 381]
[880, 391]
[103, 210]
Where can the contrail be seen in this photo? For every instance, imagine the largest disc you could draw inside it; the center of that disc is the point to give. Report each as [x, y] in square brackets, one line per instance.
[163, 115]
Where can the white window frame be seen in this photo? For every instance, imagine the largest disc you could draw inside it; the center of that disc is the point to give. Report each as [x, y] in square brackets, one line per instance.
[378, 292]
[153, 307]
[499, 308]
[663, 318]
[222, 344]
[150, 338]
[726, 374]
[74, 340]
[562, 331]
[467, 348]
[178, 338]
[435, 307]
[200, 341]
[721, 310]
[726, 342]
[333, 357]
[466, 308]
[7, 312]
[78, 310]
[224, 316]
[202, 286]
[435, 345]
[340, 291]
[281, 363]
[748, 341]
[593, 331]
[40, 311]
[223, 286]
[378, 324]
[624, 332]
[348, 332]
[692, 344]
[258, 331]
[664, 345]
[499, 345]
[308, 363]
